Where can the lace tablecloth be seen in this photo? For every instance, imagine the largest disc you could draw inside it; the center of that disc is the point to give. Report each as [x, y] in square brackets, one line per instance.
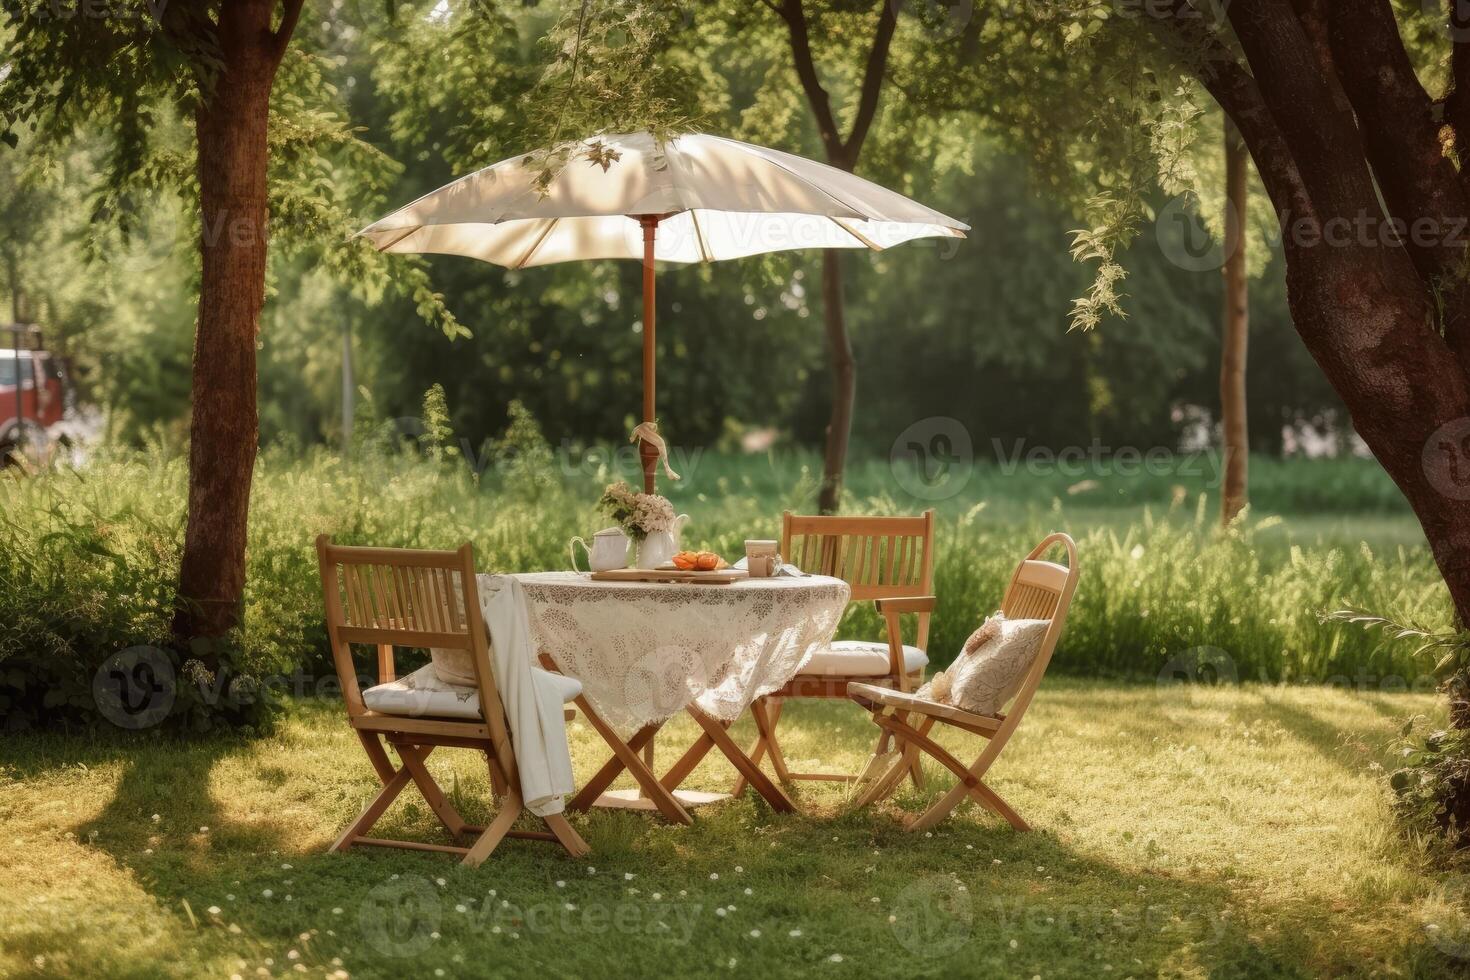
[644, 651]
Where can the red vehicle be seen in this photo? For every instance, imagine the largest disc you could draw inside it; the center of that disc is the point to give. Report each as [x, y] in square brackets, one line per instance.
[34, 391]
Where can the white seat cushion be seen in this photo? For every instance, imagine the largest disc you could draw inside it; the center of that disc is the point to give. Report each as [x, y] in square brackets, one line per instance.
[422, 693]
[861, 658]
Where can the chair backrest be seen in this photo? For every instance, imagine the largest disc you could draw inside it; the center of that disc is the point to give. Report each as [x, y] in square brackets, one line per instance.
[394, 597]
[1041, 590]
[879, 557]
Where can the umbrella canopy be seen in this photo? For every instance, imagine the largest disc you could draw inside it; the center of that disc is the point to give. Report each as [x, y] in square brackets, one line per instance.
[691, 198]
[715, 198]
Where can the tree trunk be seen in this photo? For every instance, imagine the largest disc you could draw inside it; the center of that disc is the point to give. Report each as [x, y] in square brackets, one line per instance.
[230, 123]
[1234, 435]
[844, 383]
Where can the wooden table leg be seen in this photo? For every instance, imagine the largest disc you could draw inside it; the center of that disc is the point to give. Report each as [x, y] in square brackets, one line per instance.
[610, 771]
[716, 730]
[628, 758]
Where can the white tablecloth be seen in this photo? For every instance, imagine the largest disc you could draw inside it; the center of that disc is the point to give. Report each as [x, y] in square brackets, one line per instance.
[644, 651]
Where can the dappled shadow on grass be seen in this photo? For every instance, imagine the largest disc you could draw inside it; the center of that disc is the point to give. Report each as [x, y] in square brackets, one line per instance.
[1073, 900]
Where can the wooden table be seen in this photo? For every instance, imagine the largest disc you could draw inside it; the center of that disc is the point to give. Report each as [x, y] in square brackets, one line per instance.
[647, 651]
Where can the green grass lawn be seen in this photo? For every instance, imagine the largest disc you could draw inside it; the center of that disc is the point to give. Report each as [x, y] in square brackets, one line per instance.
[1240, 832]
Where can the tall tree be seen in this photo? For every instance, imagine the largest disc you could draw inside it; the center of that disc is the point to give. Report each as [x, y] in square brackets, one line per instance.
[843, 152]
[1235, 328]
[138, 71]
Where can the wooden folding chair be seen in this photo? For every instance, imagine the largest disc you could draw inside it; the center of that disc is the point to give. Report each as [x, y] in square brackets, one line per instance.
[1038, 590]
[388, 597]
[889, 560]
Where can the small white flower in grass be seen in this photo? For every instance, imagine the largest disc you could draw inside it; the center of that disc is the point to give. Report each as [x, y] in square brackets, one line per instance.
[439, 972]
[969, 847]
[1015, 944]
[460, 909]
[433, 935]
[874, 899]
[287, 867]
[213, 910]
[739, 869]
[561, 884]
[892, 919]
[714, 876]
[730, 907]
[288, 898]
[732, 962]
[266, 893]
[1040, 868]
[928, 833]
[147, 850]
[755, 934]
[204, 830]
[336, 911]
[234, 929]
[835, 958]
[995, 860]
[571, 907]
[439, 882]
[292, 954]
[156, 818]
[683, 893]
[592, 871]
[495, 930]
[749, 892]
[657, 896]
[230, 897]
[720, 913]
[628, 876]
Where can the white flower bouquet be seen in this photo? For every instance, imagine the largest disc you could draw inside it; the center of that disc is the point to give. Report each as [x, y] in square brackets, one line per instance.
[639, 514]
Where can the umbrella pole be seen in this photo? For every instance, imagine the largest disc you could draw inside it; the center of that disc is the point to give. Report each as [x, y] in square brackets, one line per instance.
[647, 450]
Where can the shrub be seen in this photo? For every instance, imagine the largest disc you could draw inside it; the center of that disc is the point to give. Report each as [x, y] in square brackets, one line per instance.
[88, 561]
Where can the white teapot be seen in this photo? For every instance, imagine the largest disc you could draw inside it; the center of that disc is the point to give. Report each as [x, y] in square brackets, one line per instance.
[659, 547]
[609, 550]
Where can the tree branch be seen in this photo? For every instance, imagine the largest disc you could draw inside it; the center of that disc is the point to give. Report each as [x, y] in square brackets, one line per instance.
[1457, 99]
[806, 70]
[289, 18]
[1400, 129]
[1182, 29]
[888, 11]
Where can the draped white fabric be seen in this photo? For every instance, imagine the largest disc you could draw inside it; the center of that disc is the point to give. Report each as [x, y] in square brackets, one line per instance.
[720, 198]
[645, 651]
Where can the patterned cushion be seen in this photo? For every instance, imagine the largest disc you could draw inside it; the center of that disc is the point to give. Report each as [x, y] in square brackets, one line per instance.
[422, 693]
[985, 680]
[860, 658]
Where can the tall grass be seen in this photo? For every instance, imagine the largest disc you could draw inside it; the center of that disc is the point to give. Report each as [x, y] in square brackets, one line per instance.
[88, 560]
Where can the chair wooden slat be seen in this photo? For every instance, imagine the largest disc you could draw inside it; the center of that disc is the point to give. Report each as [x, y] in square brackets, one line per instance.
[879, 558]
[1038, 590]
[397, 598]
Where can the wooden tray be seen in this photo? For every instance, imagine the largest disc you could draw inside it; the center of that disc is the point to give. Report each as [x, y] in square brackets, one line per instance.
[723, 576]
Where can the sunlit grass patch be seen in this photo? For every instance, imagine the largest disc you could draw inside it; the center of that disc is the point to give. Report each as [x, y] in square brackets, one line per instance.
[1183, 832]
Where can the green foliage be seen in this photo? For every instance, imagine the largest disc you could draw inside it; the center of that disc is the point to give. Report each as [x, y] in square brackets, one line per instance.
[88, 561]
[1432, 784]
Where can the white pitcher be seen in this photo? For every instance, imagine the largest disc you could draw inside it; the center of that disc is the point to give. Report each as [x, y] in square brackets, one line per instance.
[609, 550]
[659, 547]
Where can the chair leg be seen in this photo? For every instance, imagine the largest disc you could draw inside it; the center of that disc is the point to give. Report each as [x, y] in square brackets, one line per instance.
[413, 760]
[765, 711]
[496, 831]
[373, 810]
[567, 835]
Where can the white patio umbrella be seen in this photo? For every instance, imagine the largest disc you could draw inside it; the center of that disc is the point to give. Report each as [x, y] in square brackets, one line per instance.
[693, 198]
